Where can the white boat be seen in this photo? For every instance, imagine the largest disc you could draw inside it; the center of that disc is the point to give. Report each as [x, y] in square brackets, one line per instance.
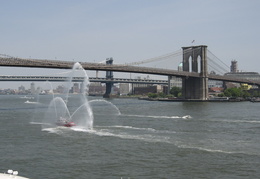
[26, 97]
[31, 102]
[11, 174]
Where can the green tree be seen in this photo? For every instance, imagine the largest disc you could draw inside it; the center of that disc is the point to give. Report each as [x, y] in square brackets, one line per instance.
[232, 92]
[175, 91]
[221, 95]
[161, 95]
[246, 94]
[236, 92]
[169, 96]
[256, 94]
[227, 93]
[152, 95]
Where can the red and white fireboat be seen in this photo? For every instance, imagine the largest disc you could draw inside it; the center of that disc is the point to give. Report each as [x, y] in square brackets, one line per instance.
[64, 122]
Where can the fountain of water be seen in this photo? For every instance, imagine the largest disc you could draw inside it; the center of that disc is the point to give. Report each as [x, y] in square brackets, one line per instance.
[58, 107]
[111, 111]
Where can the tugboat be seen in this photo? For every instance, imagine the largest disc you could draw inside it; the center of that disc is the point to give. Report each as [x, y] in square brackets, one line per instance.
[64, 122]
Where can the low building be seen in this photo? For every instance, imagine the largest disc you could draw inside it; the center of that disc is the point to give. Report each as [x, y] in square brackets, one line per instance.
[145, 90]
[175, 82]
[96, 88]
[252, 76]
[235, 73]
[60, 89]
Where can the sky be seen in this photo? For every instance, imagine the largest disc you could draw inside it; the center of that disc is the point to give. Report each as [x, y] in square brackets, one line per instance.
[128, 30]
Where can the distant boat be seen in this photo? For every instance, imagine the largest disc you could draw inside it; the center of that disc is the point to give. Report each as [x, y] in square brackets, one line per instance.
[30, 102]
[27, 97]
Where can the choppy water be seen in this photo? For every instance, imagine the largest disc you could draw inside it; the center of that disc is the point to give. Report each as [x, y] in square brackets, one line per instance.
[143, 139]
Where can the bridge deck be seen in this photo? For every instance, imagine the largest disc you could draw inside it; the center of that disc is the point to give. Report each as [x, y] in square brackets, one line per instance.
[36, 63]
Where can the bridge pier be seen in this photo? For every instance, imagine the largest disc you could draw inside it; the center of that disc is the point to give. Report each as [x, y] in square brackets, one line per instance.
[109, 75]
[195, 58]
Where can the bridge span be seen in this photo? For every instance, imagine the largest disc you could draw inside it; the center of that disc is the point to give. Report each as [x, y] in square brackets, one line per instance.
[36, 63]
[194, 83]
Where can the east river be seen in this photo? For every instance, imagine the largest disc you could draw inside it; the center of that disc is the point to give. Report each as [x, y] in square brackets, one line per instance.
[134, 139]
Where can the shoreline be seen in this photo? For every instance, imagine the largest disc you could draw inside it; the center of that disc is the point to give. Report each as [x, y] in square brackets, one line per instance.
[191, 100]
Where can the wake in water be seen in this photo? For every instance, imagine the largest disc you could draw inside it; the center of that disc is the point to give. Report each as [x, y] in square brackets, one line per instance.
[36, 123]
[127, 127]
[162, 117]
[148, 135]
[234, 121]
[217, 149]
[117, 131]
[145, 135]
[207, 149]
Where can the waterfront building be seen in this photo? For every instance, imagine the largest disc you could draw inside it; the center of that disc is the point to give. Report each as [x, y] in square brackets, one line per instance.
[234, 72]
[145, 90]
[124, 88]
[115, 90]
[215, 83]
[142, 89]
[176, 81]
[96, 88]
[60, 89]
[21, 89]
[159, 88]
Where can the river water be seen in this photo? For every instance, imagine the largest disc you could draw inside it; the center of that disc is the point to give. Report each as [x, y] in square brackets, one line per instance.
[133, 138]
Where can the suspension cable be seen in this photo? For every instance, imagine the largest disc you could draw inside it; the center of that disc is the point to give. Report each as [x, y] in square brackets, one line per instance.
[159, 58]
[218, 59]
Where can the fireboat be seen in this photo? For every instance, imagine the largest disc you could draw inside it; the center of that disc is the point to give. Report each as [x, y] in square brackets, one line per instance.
[64, 122]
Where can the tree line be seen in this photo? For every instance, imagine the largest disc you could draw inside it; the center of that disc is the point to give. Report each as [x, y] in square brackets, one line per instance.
[230, 92]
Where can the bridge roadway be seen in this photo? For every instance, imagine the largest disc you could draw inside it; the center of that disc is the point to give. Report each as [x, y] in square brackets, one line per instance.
[80, 79]
[36, 63]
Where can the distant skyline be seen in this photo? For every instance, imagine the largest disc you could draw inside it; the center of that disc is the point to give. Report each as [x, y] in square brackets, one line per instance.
[128, 31]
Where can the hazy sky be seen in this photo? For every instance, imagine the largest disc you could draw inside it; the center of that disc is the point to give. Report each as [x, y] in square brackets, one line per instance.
[129, 30]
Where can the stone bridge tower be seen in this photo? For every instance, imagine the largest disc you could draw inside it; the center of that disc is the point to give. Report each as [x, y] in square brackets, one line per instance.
[195, 61]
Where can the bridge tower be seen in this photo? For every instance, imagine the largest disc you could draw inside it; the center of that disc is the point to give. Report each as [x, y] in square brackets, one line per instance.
[109, 75]
[195, 61]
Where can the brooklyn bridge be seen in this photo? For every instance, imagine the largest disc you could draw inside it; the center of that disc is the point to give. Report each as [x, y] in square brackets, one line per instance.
[197, 68]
